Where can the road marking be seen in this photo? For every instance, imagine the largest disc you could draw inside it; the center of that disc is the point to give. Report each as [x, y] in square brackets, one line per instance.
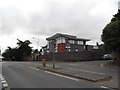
[2, 78]
[4, 83]
[51, 65]
[62, 76]
[33, 68]
[22, 65]
[106, 87]
[86, 71]
[30, 67]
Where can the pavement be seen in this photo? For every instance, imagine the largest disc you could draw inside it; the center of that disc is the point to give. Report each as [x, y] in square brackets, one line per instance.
[87, 75]
[112, 68]
[111, 65]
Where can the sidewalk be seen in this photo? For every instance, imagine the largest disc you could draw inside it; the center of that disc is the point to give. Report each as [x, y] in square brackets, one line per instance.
[86, 75]
[111, 65]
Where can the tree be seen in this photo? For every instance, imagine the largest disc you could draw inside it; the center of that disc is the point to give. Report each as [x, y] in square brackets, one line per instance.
[111, 36]
[10, 53]
[22, 50]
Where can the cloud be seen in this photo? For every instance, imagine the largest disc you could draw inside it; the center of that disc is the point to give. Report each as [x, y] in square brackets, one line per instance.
[75, 17]
[10, 20]
[43, 18]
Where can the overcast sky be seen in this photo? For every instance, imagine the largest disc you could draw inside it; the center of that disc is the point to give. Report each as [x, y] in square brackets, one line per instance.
[25, 19]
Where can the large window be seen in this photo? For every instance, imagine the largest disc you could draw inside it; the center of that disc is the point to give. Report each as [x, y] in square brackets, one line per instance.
[60, 40]
[72, 41]
[80, 42]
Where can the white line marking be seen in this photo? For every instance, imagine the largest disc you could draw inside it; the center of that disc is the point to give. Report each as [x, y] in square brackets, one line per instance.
[2, 79]
[4, 83]
[106, 87]
[51, 65]
[21, 65]
[86, 71]
[62, 76]
[33, 68]
[103, 87]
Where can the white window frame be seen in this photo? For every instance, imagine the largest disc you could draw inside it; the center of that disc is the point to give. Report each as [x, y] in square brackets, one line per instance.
[60, 40]
[80, 42]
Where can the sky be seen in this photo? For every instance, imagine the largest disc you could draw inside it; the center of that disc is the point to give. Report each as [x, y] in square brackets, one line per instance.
[25, 19]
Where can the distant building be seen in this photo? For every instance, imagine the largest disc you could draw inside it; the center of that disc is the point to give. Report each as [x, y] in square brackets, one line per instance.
[65, 43]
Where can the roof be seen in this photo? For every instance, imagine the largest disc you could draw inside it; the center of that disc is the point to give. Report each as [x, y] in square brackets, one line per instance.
[72, 37]
[44, 46]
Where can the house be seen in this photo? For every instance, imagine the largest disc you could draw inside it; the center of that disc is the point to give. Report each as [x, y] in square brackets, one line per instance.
[65, 43]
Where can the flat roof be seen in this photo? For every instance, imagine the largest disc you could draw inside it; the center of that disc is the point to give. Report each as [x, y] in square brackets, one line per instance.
[71, 37]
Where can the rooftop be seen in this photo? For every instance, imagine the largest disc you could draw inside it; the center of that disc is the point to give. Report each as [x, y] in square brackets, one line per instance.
[72, 37]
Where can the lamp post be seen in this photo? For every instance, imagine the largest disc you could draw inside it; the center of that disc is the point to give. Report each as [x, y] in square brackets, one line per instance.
[37, 42]
[53, 54]
[0, 50]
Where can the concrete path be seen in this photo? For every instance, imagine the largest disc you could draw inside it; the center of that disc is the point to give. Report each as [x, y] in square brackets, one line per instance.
[87, 75]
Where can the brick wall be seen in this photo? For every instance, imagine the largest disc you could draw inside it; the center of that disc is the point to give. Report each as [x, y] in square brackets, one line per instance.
[29, 58]
[75, 56]
[116, 55]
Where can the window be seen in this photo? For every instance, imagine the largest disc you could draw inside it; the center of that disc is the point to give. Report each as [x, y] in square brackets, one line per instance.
[76, 49]
[72, 41]
[80, 42]
[69, 50]
[60, 40]
[68, 47]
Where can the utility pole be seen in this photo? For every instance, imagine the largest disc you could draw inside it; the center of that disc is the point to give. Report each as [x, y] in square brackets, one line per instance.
[37, 42]
[0, 50]
[53, 55]
[53, 60]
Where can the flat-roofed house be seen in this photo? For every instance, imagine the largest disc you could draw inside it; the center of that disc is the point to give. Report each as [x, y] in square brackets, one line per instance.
[65, 43]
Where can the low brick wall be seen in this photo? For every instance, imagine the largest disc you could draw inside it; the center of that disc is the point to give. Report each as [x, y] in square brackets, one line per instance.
[116, 55]
[29, 58]
[75, 56]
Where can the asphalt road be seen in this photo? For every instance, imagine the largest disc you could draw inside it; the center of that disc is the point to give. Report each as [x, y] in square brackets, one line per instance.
[18, 75]
[90, 66]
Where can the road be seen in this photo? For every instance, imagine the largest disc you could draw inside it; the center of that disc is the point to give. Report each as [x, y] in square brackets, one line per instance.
[18, 75]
